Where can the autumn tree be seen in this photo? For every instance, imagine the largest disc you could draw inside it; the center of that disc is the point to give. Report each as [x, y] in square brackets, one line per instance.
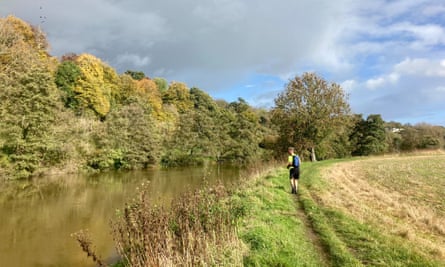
[148, 90]
[433, 137]
[422, 136]
[178, 94]
[128, 89]
[29, 99]
[96, 85]
[308, 111]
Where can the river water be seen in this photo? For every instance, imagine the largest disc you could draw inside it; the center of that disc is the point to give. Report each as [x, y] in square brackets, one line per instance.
[37, 218]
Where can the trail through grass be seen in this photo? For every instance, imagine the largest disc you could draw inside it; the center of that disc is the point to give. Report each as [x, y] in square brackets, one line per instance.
[380, 211]
[271, 227]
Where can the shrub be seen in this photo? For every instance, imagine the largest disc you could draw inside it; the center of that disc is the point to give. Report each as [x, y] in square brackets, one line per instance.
[196, 230]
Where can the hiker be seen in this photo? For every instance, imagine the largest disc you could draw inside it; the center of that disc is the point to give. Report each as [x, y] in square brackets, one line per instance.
[293, 164]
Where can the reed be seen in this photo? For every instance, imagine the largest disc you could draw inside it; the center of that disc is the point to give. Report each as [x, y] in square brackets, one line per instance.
[197, 229]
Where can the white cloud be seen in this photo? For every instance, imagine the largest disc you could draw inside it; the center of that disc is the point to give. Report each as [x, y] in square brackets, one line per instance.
[384, 80]
[393, 77]
[349, 85]
[421, 67]
[440, 89]
[433, 10]
[424, 35]
[375, 83]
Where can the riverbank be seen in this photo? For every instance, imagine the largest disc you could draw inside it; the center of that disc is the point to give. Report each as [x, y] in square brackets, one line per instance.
[271, 224]
[48, 210]
[344, 214]
[376, 211]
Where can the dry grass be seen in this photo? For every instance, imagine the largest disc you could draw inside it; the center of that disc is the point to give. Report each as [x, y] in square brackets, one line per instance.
[196, 230]
[402, 195]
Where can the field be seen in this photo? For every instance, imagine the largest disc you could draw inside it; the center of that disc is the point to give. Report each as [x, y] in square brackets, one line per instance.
[378, 211]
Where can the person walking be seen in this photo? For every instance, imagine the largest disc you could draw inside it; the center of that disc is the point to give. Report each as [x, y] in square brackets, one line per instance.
[293, 164]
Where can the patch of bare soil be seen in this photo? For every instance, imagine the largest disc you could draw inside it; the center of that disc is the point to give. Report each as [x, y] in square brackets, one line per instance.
[310, 233]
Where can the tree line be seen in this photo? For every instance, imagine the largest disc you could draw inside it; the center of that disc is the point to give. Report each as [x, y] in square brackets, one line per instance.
[77, 113]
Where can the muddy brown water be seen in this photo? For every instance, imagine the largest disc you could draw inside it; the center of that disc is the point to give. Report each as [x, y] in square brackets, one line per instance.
[37, 218]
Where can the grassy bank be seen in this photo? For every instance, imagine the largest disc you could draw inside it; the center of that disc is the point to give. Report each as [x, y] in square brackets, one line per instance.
[271, 225]
[382, 211]
[378, 211]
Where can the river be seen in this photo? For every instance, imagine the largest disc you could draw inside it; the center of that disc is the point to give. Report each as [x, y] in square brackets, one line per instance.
[37, 218]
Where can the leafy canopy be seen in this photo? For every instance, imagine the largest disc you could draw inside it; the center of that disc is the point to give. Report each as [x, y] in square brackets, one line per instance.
[308, 111]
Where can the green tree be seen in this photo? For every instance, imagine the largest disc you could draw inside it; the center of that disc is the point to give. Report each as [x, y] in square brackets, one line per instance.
[66, 77]
[337, 144]
[369, 136]
[196, 135]
[29, 100]
[308, 111]
[129, 140]
[410, 138]
[432, 136]
[161, 83]
[393, 136]
[136, 75]
[245, 132]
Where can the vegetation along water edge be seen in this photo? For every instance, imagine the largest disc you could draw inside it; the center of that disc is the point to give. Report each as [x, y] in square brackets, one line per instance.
[378, 211]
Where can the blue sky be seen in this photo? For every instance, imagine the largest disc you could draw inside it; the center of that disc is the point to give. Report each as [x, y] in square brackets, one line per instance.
[389, 56]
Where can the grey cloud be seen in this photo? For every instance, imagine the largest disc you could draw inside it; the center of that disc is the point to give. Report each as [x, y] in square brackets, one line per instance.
[215, 44]
[187, 37]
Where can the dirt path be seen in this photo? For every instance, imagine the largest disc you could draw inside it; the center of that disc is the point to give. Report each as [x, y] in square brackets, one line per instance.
[311, 234]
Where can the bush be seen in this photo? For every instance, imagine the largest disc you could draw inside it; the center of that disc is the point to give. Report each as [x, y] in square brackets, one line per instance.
[197, 230]
[106, 160]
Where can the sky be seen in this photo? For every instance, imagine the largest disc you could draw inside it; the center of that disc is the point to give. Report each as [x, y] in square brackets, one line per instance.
[388, 55]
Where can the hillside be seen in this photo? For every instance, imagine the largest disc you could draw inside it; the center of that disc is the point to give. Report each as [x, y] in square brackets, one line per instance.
[76, 113]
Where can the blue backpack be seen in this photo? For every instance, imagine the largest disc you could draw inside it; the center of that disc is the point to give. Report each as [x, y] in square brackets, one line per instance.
[295, 161]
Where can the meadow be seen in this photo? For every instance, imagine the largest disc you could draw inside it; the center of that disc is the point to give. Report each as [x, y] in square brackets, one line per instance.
[373, 211]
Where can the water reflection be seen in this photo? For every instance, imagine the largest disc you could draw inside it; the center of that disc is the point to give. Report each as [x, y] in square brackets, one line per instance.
[37, 219]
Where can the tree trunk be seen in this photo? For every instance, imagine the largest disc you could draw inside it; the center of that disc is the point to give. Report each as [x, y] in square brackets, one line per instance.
[313, 157]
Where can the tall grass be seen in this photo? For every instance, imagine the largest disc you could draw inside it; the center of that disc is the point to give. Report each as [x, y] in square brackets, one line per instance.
[197, 229]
